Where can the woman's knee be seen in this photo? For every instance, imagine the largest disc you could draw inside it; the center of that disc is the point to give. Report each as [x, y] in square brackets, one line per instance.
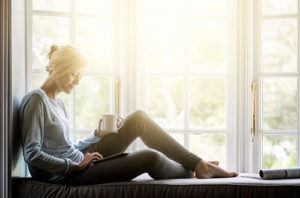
[138, 114]
[151, 156]
[135, 116]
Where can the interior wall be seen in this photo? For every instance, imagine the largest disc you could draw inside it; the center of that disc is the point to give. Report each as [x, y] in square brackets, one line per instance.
[5, 93]
[18, 82]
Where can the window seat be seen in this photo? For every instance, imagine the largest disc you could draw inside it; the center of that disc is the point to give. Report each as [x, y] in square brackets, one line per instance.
[246, 185]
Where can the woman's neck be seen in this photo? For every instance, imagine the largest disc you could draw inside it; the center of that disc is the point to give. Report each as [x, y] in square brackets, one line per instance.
[50, 88]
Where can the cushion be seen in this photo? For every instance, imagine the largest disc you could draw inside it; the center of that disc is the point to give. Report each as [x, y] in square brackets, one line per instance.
[245, 185]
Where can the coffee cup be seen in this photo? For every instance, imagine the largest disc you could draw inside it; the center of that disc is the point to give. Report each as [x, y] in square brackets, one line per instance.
[108, 123]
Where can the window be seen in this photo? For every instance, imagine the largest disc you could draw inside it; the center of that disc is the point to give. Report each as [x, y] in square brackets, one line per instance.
[277, 72]
[185, 57]
[181, 62]
[92, 25]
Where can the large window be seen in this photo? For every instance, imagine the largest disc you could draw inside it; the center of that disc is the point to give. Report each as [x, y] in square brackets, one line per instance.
[277, 72]
[186, 60]
[92, 25]
[183, 62]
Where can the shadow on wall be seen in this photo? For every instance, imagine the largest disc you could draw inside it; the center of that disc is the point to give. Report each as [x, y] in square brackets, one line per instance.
[17, 160]
[18, 82]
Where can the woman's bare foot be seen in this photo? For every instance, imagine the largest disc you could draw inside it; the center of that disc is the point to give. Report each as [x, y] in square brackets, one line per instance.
[206, 170]
[212, 162]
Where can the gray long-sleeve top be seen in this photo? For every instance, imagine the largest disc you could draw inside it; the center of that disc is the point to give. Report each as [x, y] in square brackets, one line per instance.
[47, 137]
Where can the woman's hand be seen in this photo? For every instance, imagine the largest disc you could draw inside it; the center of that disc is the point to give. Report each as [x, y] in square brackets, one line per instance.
[101, 134]
[88, 158]
[119, 122]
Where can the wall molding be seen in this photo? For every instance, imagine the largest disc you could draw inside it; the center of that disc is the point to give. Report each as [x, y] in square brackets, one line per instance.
[5, 96]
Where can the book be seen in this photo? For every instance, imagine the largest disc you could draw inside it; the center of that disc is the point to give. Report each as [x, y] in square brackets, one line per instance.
[280, 173]
[118, 155]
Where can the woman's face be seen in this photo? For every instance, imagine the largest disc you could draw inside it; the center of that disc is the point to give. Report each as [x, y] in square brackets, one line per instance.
[68, 81]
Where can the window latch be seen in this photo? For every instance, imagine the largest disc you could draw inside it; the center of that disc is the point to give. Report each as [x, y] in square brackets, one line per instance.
[254, 89]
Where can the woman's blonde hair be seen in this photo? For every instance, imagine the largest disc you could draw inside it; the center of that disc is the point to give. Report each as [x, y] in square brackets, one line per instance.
[65, 58]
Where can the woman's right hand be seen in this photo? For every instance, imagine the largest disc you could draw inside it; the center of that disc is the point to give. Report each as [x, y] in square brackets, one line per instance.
[88, 158]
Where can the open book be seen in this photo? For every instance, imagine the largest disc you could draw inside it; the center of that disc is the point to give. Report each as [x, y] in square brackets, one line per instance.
[280, 173]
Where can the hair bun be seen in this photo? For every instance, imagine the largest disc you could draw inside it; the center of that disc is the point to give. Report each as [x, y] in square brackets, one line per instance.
[53, 48]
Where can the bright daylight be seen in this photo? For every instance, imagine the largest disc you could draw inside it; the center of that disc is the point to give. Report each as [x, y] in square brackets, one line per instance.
[188, 92]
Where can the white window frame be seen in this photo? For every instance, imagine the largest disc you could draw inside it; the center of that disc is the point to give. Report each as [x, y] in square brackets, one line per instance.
[243, 158]
[258, 18]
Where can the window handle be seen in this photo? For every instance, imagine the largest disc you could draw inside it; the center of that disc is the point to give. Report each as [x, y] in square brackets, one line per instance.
[254, 89]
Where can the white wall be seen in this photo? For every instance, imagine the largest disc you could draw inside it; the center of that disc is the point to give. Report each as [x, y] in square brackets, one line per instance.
[18, 81]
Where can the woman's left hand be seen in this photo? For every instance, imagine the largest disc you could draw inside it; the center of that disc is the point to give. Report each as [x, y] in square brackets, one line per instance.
[119, 122]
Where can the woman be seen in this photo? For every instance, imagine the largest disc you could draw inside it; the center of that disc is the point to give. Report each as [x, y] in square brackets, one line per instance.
[52, 157]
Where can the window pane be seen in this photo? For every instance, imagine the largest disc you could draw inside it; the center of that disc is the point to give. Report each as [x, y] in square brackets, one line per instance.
[279, 151]
[207, 102]
[280, 103]
[47, 30]
[208, 8]
[279, 6]
[165, 101]
[38, 79]
[98, 7]
[208, 46]
[209, 147]
[162, 37]
[178, 137]
[163, 52]
[96, 37]
[93, 99]
[53, 5]
[279, 45]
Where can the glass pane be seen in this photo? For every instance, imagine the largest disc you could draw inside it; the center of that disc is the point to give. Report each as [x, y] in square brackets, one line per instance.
[207, 102]
[163, 52]
[209, 147]
[208, 48]
[178, 137]
[208, 8]
[157, 11]
[97, 38]
[279, 6]
[38, 79]
[47, 30]
[98, 7]
[279, 45]
[92, 100]
[53, 5]
[279, 151]
[165, 101]
[161, 32]
[280, 103]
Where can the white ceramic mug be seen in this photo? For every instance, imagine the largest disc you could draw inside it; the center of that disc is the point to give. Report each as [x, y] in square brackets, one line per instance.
[108, 123]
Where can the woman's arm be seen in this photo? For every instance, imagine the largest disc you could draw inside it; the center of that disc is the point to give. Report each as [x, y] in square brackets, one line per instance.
[87, 141]
[32, 123]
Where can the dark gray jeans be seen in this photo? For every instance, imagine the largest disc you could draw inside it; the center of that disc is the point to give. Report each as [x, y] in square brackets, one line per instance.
[165, 158]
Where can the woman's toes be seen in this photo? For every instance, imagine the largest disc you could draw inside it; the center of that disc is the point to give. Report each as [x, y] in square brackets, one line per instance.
[208, 170]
